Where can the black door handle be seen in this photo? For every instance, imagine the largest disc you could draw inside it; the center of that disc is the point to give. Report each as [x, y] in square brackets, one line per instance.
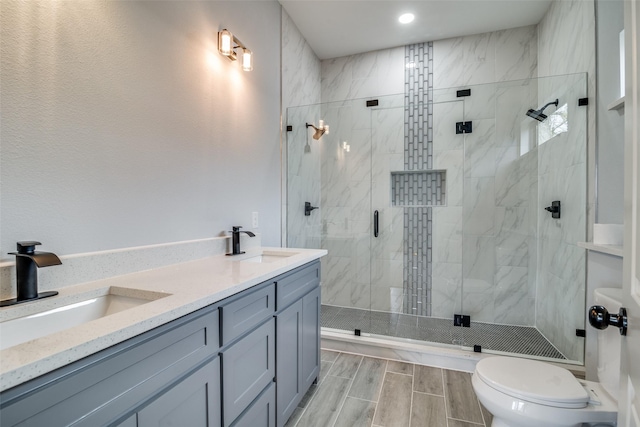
[375, 223]
[308, 208]
[600, 318]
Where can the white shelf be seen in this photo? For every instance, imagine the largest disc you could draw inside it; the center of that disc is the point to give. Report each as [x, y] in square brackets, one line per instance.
[616, 105]
[605, 249]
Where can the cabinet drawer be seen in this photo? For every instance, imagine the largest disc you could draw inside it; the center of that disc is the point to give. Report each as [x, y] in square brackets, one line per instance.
[248, 366]
[262, 412]
[290, 287]
[193, 402]
[242, 314]
[103, 387]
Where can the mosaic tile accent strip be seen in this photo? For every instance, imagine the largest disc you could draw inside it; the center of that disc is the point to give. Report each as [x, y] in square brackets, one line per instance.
[418, 239]
[418, 101]
[418, 188]
[526, 340]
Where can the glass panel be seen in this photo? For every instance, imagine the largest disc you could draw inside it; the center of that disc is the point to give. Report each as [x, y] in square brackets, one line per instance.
[461, 227]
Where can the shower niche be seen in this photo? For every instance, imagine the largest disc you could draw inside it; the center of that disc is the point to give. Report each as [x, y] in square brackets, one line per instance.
[418, 188]
[422, 223]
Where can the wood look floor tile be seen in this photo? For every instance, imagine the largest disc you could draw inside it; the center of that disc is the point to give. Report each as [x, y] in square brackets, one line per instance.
[428, 410]
[400, 367]
[459, 423]
[345, 366]
[368, 380]
[462, 403]
[295, 416]
[323, 409]
[394, 405]
[329, 355]
[325, 367]
[308, 395]
[488, 418]
[428, 380]
[356, 413]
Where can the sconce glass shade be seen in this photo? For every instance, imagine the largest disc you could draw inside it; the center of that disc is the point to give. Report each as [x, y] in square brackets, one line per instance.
[225, 43]
[247, 60]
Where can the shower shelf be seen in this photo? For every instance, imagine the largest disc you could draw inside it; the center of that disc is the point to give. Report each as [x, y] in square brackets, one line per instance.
[605, 249]
[616, 105]
[419, 188]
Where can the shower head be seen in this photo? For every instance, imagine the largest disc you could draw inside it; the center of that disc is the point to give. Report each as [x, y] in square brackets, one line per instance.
[538, 114]
[318, 131]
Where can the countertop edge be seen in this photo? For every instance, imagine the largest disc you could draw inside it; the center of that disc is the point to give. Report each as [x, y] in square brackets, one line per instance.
[32, 359]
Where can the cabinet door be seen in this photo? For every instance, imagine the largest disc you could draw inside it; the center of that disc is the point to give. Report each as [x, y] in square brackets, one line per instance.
[262, 412]
[248, 366]
[193, 402]
[310, 338]
[288, 365]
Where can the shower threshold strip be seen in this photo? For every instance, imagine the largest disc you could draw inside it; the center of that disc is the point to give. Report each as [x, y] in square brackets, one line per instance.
[505, 338]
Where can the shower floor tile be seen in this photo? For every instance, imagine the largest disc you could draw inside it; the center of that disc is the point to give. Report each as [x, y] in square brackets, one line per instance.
[505, 338]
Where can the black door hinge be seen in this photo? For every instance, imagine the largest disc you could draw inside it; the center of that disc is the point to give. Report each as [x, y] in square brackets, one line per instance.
[463, 92]
[372, 103]
[289, 128]
[581, 333]
[463, 127]
[461, 320]
[583, 101]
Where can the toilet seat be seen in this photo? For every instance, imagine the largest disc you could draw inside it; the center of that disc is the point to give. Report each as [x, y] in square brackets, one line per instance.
[533, 381]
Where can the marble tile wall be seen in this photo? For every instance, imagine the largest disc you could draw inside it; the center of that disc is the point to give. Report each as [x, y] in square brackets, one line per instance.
[567, 45]
[365, 75]
[483, 242]
[562, 264]
[300, 86]
[491, 230]
[303, 179]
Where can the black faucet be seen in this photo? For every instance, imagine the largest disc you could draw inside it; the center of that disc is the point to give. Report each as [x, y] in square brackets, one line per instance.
[27, 263]
[235, 239]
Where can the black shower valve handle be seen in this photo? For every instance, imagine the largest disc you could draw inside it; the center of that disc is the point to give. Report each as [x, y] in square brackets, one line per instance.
[554, 209]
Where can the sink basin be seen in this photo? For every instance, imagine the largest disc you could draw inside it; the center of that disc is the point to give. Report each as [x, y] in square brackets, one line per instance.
[269, 256]
[40, 324]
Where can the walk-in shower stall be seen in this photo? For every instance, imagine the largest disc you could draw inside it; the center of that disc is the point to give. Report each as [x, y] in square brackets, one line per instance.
[449, 207]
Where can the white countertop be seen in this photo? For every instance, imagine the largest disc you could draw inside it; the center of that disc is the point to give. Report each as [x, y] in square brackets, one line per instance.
[190, 285]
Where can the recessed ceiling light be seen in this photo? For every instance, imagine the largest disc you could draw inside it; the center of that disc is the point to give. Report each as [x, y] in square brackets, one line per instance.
[406, 18]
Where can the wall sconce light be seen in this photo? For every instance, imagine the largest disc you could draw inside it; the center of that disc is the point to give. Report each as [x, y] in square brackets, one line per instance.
[227, 45]
[346, 147]
[320, 130]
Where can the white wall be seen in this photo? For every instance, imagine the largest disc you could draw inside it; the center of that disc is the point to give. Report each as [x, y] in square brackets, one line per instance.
[610, 124]
[122, 125]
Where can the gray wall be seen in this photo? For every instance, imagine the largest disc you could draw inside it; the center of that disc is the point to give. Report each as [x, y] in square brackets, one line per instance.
[610, 124]
[122, 125]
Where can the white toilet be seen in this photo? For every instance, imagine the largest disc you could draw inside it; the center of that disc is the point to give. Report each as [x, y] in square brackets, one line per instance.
[529, 393]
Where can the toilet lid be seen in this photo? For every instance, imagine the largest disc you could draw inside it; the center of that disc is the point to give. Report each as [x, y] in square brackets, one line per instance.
[533, 381]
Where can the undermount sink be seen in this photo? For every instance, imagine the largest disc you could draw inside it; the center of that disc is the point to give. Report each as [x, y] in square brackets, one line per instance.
[268, 256]
[51, 320]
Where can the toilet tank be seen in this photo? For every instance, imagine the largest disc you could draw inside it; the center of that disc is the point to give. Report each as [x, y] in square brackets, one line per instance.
[609, 342]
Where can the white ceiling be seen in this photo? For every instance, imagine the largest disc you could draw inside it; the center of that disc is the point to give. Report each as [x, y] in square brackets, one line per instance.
[335, 28]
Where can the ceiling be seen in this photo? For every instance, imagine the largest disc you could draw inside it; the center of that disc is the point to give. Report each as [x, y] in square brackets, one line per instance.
[335, 28]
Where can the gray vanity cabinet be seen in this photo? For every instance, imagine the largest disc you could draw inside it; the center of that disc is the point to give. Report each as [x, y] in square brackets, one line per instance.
[215, 367]
[114, 386]
[297, 337]
[194, 401]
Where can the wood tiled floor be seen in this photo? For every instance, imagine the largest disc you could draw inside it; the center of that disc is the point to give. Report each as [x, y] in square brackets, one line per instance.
[356, 391]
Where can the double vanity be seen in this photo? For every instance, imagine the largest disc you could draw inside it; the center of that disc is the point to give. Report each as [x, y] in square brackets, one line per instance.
[220, 341]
